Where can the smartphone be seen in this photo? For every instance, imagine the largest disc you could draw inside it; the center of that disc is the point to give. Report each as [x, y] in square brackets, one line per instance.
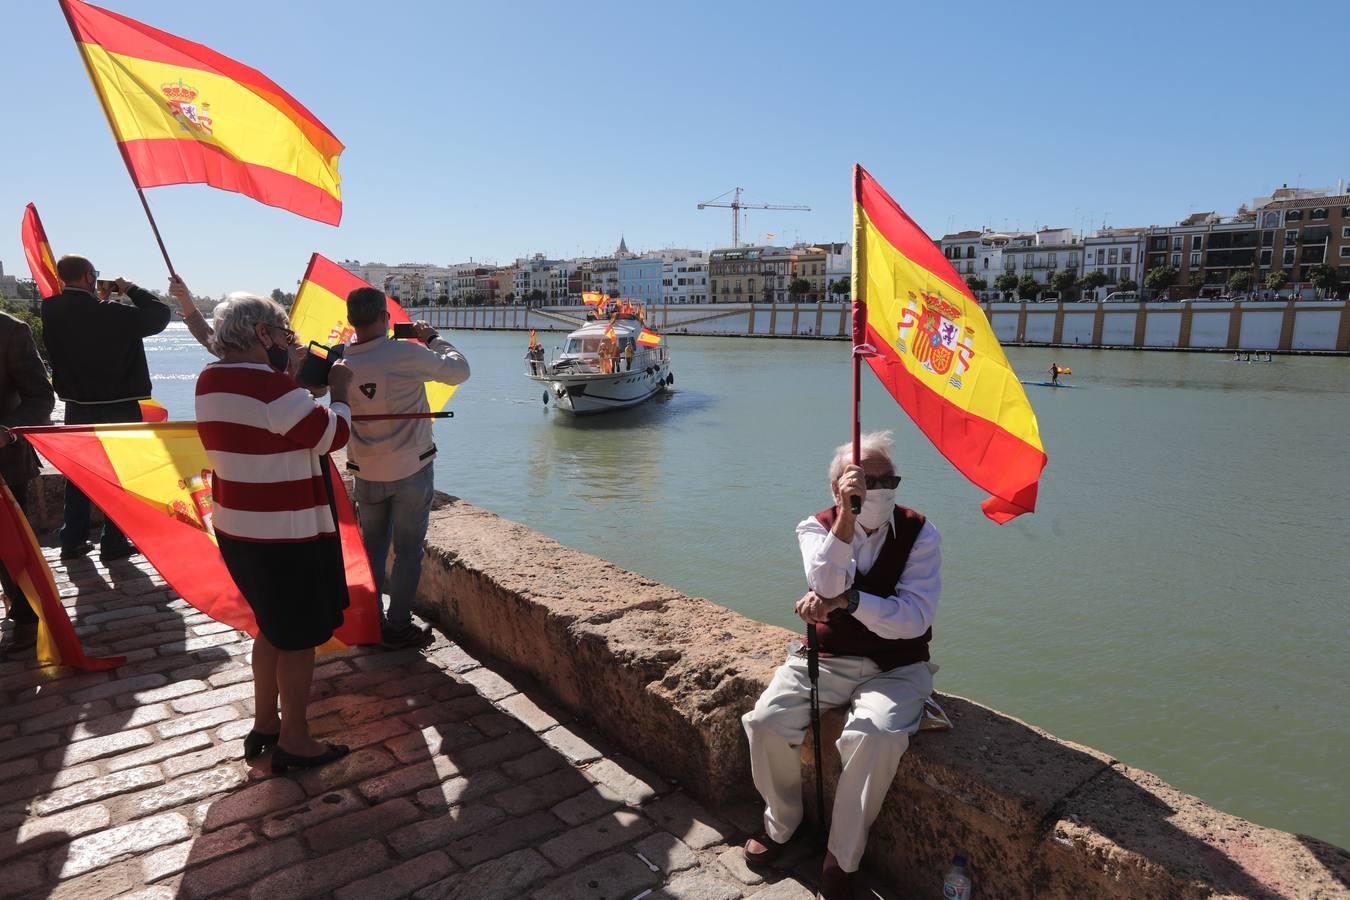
[404, 332]
[317, 364]
[104, 286]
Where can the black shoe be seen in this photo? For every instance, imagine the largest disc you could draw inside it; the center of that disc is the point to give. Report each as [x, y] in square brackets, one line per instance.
[283, 761]
[256, 743]
[115, 553]
[401, 637]
[77, 551]
[23, 637]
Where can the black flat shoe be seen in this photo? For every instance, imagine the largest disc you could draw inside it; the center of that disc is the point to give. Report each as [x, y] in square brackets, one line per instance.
[283, 761]
[256, 743]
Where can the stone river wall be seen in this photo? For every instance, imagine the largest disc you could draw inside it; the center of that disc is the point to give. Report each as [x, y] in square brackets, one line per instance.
[667, 677]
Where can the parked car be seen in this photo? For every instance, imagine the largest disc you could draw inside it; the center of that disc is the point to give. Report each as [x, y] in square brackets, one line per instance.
[1122, 297]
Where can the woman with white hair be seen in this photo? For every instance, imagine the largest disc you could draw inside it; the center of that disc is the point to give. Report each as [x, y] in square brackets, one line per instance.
[274, 520]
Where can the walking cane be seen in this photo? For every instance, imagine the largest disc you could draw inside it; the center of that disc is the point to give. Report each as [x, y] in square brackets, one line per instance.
[813, 672]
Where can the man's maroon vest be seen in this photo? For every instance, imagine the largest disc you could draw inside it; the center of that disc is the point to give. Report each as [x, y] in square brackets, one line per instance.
[842, 634]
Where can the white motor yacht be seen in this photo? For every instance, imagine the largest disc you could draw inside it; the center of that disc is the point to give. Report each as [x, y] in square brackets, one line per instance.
[581, 380]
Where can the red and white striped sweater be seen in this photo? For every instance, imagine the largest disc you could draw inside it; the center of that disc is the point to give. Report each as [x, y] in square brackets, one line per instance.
[265, 437]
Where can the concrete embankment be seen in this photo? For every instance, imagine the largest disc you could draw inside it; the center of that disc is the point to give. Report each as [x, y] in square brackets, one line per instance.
[1321, 327]
[666, 677]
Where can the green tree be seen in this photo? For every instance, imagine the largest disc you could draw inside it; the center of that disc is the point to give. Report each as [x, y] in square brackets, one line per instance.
[1128, 284]
[1240, 282]
[24, 312]
[282, 297]
[1277, 279]
[798, 288]
[1196, 280]
[1063, 281]
[1160, 279]
[510, 297]
[841, 288]
[1093, 280]
[534, 296]
[976, 284]
[1005, 283]
[1323, 276]
[1028, 287]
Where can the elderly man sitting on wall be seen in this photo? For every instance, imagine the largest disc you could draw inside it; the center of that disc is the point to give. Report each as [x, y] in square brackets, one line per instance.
[874, 583]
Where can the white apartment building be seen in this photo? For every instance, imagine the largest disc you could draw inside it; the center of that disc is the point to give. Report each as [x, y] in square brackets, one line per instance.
[1116, 252]
[838, 262]
[684, 279]
[410, 283]
[1042, 254]
[962, 250]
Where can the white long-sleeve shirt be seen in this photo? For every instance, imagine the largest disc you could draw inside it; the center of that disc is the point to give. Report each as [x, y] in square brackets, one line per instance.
[831, 566]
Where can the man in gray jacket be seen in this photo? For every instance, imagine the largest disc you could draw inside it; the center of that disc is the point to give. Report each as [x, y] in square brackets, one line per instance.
[391, 459]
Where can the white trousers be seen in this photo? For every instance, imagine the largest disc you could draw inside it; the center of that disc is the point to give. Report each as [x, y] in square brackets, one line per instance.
[884, 709]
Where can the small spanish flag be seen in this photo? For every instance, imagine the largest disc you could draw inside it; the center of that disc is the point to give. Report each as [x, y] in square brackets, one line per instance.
[153, 411]
[648, 338]
[609, 332]
[593, 298]
[534, 341]
[38, 250]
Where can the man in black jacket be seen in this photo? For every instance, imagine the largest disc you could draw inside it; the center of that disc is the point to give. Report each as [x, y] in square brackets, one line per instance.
[25, 399]
[99, 370]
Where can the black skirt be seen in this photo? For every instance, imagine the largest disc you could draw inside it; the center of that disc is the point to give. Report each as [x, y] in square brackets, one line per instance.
[298, 589]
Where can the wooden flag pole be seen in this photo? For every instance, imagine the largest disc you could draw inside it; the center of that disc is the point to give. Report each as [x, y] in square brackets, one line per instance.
[153, 226]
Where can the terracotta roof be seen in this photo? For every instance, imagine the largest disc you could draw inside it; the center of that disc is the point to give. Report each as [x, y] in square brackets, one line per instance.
[1308, 203]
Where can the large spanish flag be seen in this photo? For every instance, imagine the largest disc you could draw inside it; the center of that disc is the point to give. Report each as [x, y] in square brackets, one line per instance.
[57, 643]
[320, 314]
[184, 114]
[154, 481]
[38, 251]
[938, 356]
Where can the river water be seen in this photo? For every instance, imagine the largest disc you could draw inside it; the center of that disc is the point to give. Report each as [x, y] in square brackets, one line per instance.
[1179, 601]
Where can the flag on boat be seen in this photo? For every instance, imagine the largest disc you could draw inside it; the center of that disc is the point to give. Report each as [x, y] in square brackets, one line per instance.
[320, 314]
[534, 341]
[37, 249]
[57, 643]
[609, 332]
[182, 113]
[154, 481]
[937, 355]
[153, 411]
[648, 338]
[593, 298]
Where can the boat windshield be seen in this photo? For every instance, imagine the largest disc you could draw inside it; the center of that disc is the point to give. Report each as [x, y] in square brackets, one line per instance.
[583, 346]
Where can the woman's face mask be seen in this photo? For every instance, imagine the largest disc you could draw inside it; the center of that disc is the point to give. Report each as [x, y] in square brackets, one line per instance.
[877, 508]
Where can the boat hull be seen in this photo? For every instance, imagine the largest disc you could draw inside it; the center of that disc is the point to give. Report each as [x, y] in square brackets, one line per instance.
[588, 394]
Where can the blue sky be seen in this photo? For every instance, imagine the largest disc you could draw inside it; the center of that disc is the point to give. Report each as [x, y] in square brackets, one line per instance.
[491, 130]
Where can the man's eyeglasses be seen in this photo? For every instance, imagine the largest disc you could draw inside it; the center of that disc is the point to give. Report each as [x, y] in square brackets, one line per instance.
[889, 482]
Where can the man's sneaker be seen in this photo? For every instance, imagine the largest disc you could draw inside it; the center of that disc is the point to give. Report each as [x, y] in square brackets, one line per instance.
[123, 551]
[77, 551]
[401, 637]
[23, 637]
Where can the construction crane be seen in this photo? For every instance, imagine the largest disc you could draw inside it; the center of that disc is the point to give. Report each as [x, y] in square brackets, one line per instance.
[736, 206]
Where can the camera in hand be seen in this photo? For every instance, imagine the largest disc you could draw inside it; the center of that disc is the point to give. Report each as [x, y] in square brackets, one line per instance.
[104, 287]
[317, 364]
[405, 331]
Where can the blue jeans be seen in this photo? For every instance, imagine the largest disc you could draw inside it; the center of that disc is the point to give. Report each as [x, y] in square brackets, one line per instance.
[75, 530]
[397, 512]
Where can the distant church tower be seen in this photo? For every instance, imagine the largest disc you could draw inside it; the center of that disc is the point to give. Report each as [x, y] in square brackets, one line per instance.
[622, 252]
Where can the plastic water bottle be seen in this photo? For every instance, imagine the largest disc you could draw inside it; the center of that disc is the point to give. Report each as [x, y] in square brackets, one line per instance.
[956, 886]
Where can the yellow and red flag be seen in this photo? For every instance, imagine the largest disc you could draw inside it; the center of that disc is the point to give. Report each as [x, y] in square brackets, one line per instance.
[534, 341]
[154, 481]
[648, 338]
[182, 113]
[320, 314]
[57, 643]
[938, 356]
[592, 298]
[153, 411]
[38, 250]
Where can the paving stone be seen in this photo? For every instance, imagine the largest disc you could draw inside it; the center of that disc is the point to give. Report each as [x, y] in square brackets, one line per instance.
[169, 691]
[162, 750]
[198, 643]
[97, 748]
[417, 684]
[614, 877]
[210, 628]
[405, 779]
[787, 889]
[155, 892]
[185, 790]
[108, 881]
[499, 879]
[605, 833]
[733, 859]
[542, 792]
[453, 658]
[358, 766]
[43, 704]
[197, 721]
[495, 724]
[17, 768]
[366, 735]
[98, 789]
[697, 886]
[253, 802]
[570, 745]
[67, 715]
[489, 683]
[402, 660]
[400, 881]
[633, 790]
[122, 720]
[319, 809]
[590, 805]
[22, 876]
[25, 746]
[433, 740]
[456, 822]
[113, 844]
[240, 868]
[686, 820]
[320, 876]
[498, 840]
[232, 731]
[232, 675]
[119, 687]
[459, 709]
[461, 790]
[230, 751]
[667, 852]
[531, 714]
[545, 759]
[358, 826]
[496, 752]
[201, 849]
[202, 700]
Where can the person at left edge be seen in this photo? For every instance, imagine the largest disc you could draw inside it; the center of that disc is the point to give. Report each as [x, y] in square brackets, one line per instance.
[25, 399]
[99, 369]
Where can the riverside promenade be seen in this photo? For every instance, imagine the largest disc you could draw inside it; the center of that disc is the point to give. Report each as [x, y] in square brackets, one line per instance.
[463, 781]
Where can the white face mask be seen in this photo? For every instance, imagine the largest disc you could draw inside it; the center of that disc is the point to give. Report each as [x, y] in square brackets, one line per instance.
[877, 509]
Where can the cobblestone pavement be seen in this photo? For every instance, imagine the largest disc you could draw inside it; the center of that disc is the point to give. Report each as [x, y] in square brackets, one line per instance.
[132, 783]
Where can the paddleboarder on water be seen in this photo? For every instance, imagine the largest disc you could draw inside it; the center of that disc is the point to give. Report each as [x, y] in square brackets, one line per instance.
[1054, 373]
